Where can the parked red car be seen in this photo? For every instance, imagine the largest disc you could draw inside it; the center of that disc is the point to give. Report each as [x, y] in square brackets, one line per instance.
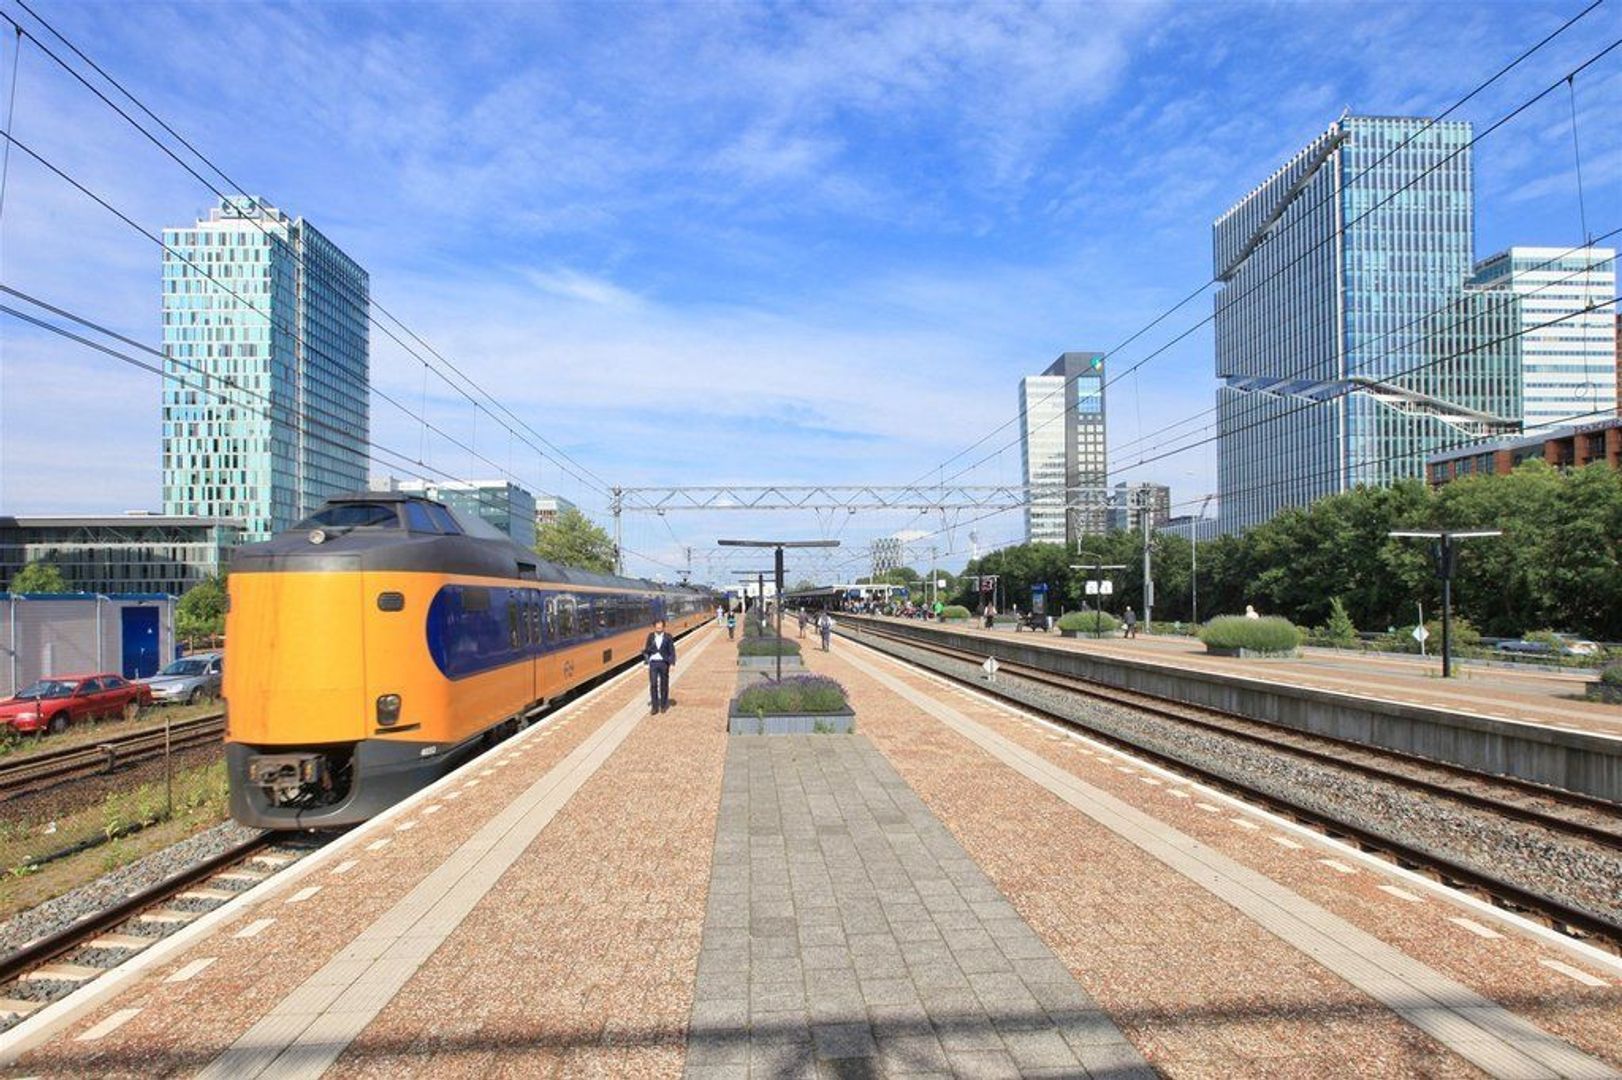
[52, 704]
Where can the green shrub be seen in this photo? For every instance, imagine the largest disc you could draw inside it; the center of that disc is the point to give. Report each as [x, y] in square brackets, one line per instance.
[955, 611]
[767, 646]
[1339, 630]
[1268, 634]
[1611, 675]
[801, 694]
[1103, 621]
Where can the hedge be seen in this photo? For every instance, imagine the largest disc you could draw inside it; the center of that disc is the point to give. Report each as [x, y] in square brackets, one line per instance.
[1085, 620]
[1268, 634]
[800, 694]
[768, 647]
[954, 611]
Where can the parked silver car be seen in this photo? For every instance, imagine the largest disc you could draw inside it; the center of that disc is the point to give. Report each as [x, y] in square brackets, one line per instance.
[188, 680]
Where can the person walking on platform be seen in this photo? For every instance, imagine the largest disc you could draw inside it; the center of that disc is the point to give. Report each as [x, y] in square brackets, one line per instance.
[1129, 622]
[659, 653]
[802, 622]
[825, 629]
[732, 625]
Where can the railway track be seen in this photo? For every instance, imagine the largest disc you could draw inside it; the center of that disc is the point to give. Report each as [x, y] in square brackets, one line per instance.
[107, 755]
[1568, 815]
[55, 965]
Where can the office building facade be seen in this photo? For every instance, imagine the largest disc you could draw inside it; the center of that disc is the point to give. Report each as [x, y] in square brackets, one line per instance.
[1334, 275]
[130, 553]
[1568, 352]
[502, 504]
[1062, 450]
[1575, 447]
[547, 509]
[1130, 502]
[266, 407]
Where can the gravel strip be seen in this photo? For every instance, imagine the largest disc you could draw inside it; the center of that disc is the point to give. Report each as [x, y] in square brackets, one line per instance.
[1581, 875]
[58, 914]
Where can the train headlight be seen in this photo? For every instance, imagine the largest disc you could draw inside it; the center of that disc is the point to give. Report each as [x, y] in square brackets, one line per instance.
[318, 536]
[388, 709]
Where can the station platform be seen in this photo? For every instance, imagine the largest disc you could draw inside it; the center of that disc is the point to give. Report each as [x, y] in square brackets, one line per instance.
[956, 889]
[1551, 697]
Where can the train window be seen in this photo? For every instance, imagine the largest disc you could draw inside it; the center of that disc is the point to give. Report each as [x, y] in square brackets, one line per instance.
[417, 519]
[442, 518]
[566, 617]
[512, 620]
[534, 618]
[351, 516]
[475, 599]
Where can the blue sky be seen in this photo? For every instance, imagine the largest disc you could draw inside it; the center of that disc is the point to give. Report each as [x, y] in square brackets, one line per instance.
[709, 243]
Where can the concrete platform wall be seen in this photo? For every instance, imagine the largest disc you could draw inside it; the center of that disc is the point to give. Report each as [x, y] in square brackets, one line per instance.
[1576, 761]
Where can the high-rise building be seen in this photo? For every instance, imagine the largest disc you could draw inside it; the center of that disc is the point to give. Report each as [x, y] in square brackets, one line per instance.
[886, 554]
[1129, 503]
[1568, 353]
[1335, 272]
[504, 505]
[266, 406]
[1062, 449]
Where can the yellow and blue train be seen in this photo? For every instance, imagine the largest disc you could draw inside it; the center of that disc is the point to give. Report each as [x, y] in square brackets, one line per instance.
[384, 640]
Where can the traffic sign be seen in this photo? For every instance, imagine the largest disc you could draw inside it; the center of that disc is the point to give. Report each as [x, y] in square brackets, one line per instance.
[990, 668]
[1420, 634]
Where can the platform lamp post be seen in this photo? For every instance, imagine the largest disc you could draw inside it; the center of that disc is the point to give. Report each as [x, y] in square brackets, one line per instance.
[1443, 554]
[1097, 566]
[778, 546]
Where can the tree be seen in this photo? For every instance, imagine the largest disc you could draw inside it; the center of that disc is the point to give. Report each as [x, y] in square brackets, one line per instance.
[575, 540]
[40, 576]
[201, 612]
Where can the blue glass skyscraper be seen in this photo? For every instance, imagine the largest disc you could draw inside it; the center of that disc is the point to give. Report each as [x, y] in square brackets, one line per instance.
[266, 405]
[1347, 345]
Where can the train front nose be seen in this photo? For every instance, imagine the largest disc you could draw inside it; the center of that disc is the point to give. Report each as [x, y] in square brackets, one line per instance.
[295, 693]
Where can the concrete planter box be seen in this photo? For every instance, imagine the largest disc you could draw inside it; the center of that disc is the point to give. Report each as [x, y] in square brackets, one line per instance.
[769, 663]
[841, 723]
[1249, 654]
[1088, 633]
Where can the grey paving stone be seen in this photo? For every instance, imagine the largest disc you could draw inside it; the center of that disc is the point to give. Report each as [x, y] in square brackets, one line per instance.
[983, 1065]
[1039, 1049]
[844, 1040]
[847, 933]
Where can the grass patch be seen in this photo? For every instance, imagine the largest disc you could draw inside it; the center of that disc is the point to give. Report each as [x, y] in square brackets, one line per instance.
[200, 795]
[794, 696]
[1268, 634]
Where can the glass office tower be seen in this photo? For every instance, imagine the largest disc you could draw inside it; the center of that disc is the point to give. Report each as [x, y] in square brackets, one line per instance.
[1568, 353]
[1064, 461]
[266, 406]
[1334, 368]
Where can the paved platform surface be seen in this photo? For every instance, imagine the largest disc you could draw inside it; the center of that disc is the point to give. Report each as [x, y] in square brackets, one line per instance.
[849, 932]
[1543, 697]
[958, 889]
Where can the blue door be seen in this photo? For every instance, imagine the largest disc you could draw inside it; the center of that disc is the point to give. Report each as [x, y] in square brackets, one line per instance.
[140, 625]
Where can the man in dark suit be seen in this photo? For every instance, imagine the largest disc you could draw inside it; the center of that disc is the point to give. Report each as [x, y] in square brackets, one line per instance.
[659, 653]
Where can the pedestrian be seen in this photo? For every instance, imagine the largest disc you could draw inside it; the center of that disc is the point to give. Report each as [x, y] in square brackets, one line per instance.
[991, 616]
[825, 628]
[659, 653]
[1130, 622]
[1251, 612]
[720, 615]
[802, 622]
[732, 625]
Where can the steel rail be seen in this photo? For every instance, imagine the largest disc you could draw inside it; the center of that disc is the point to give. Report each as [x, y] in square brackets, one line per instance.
[43, 950]
[1552, 912]
[104, 756]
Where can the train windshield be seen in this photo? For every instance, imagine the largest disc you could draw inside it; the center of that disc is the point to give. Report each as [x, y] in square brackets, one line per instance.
[352, 516]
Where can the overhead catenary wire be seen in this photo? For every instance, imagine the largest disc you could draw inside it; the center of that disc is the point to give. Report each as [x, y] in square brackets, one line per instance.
[375, 452]
[595, 482]
[1338, 231]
